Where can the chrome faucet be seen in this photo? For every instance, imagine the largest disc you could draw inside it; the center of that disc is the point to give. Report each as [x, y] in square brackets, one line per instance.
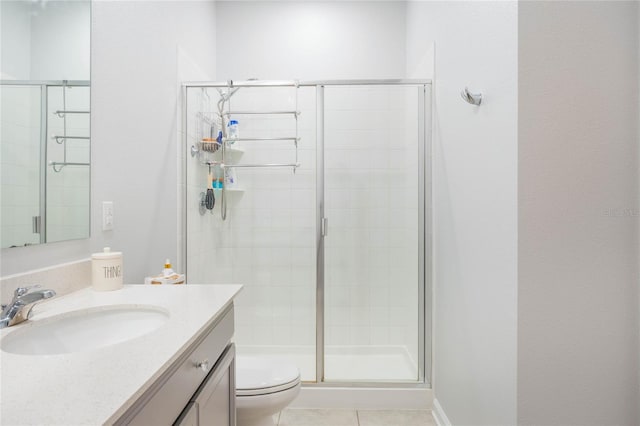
[23, 302]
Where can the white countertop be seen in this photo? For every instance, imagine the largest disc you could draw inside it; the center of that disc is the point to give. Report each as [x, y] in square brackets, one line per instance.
[96, 387]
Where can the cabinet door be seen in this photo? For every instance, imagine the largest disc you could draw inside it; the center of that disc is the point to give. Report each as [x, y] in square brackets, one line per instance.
[167, 398]
[189, 416]
[216, 398]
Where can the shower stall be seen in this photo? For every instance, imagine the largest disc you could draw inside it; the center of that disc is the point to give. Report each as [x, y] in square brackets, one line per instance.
[315, 196]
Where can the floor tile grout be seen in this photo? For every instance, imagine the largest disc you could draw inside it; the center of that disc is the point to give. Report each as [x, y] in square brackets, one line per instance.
[365, 420]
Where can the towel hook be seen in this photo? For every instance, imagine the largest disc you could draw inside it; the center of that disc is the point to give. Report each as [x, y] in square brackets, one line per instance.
[472, 98]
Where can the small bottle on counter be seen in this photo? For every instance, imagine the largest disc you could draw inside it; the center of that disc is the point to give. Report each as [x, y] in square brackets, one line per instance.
[167, 271]
[168, 276]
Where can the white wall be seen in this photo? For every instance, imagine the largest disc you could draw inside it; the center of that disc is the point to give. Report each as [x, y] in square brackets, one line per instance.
[46, 40]
[60, 40]
[140, 53]
[578, 191]
[16, 39]
[135, 94]
[310, 40]
[475, 203]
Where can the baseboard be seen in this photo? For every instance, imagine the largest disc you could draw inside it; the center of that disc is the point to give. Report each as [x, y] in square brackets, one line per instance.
[364, 398]
[439, 414]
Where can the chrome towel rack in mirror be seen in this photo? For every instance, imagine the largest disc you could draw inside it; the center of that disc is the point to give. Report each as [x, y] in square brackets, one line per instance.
[61, 114]
[57, 166]
[61, 139]
[472, 98]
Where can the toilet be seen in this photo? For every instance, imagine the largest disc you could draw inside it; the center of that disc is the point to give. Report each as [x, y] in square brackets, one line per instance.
[264, 387]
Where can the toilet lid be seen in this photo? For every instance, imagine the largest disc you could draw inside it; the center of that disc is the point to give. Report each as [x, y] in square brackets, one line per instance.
[256, 375]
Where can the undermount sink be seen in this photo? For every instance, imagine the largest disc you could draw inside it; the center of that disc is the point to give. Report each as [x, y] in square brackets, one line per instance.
[84, 330]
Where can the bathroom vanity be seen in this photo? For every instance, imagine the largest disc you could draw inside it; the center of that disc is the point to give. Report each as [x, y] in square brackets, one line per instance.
[179, 370]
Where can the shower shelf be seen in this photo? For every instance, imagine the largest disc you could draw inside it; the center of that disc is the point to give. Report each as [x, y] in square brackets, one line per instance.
[293, 139]
[238, 190]
[232, 150]
[227, 154]
[195, 149]
[227, 114]
[253, 166]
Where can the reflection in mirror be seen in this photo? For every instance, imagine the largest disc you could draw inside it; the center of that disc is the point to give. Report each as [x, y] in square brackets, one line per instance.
[44, 121]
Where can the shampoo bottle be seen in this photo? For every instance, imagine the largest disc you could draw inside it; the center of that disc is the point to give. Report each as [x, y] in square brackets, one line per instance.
[232, 131]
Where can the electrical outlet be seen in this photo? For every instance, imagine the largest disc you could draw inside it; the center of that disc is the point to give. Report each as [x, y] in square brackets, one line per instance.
[107, 215]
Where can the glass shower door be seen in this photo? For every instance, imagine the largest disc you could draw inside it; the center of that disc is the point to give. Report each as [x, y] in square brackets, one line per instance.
[374, 244]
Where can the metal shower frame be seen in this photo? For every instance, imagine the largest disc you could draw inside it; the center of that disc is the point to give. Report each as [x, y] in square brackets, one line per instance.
[424, 226]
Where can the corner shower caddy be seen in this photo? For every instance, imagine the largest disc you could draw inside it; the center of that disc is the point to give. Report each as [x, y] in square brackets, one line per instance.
[221, 145]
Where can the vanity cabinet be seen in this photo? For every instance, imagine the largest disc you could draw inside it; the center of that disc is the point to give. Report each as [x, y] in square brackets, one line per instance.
[214, 402]
[198, 388]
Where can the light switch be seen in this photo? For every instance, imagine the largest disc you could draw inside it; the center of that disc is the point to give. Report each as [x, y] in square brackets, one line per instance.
[107, 215]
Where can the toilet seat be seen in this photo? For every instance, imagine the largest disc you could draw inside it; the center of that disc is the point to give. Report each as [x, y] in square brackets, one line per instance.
[262, 376]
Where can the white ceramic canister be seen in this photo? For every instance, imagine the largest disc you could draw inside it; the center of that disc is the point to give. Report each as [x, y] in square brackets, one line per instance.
[106, 270]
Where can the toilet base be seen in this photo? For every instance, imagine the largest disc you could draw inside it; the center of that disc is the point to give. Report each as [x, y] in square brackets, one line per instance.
[259, 410]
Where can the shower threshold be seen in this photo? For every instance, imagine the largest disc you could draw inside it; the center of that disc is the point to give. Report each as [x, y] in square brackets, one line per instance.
[386, 364]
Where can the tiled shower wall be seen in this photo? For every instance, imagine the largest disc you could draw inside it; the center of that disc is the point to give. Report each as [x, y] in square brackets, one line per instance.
[371, 193]
[267, 242]
[20, 194]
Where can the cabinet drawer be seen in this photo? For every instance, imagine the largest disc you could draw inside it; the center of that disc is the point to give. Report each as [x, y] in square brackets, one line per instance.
[165, 400]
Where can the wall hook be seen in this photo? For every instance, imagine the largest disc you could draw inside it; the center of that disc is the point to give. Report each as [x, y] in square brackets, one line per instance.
[472, 98]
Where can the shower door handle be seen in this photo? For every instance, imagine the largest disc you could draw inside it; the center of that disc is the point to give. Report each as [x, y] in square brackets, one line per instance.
[36, 224]
[325, 227]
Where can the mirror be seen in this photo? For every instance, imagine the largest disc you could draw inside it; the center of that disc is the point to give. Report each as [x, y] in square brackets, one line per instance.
[44, 121]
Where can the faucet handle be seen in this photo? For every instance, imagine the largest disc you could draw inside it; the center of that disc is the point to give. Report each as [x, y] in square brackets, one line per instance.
[21, 291]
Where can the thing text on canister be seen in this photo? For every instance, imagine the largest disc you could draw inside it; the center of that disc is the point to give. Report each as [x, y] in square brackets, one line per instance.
[112, 271]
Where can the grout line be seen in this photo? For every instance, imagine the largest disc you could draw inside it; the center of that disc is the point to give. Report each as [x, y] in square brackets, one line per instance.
[358, 417]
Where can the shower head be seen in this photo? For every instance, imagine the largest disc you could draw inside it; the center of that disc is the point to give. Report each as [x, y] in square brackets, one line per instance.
[224, 97]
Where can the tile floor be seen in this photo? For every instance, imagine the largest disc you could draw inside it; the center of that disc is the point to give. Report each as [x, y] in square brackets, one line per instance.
[317, 417]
